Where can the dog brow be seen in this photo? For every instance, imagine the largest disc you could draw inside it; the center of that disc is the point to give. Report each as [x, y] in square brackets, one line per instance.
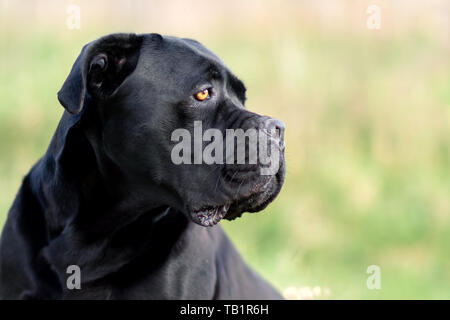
[214, 72]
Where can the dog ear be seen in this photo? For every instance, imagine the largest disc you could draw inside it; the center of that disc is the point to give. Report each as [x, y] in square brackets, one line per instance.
[99, 70]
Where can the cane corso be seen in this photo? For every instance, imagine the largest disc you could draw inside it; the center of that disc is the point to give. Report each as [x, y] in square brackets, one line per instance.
[107, 203]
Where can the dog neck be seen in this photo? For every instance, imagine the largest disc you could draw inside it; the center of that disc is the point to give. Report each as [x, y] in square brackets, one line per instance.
[89, 223]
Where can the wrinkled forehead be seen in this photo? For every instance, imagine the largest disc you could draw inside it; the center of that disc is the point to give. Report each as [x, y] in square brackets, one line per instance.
[177, 65]
[175, 57]
[195, 47]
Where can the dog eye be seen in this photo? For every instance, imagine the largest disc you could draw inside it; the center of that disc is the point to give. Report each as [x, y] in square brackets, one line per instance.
[202, 95]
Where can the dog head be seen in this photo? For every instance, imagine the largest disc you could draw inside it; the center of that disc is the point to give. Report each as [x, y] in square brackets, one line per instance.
[170, 117]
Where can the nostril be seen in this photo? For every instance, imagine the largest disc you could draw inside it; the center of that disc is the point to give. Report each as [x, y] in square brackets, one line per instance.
[281, 127]
[278, 125]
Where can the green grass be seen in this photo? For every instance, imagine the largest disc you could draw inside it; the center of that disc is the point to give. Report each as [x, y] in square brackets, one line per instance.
[368, 150]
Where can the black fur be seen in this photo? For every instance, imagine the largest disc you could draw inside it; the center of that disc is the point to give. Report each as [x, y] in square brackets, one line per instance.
[106, 196]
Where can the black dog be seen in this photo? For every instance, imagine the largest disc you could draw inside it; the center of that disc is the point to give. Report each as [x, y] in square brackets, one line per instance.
[107, 197]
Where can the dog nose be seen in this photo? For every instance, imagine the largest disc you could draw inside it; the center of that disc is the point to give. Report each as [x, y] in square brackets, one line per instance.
[275, 130]
[279, 127]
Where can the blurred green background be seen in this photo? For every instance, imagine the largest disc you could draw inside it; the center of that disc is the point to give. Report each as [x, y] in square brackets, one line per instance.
[367, 115]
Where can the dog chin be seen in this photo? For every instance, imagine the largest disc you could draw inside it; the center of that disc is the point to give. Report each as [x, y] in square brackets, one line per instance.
[208, 216]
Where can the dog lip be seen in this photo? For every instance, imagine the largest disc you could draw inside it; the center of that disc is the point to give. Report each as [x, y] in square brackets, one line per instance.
[259, 198]
[209, 216]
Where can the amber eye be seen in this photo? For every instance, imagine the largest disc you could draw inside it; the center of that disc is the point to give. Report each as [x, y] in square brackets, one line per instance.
[202, 95]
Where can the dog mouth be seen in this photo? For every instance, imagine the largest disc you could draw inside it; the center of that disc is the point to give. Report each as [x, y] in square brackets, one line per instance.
[260, 195]
[256, 197]
[209, 216]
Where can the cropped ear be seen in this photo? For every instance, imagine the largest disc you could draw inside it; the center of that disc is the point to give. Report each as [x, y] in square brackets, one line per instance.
[99, 70]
